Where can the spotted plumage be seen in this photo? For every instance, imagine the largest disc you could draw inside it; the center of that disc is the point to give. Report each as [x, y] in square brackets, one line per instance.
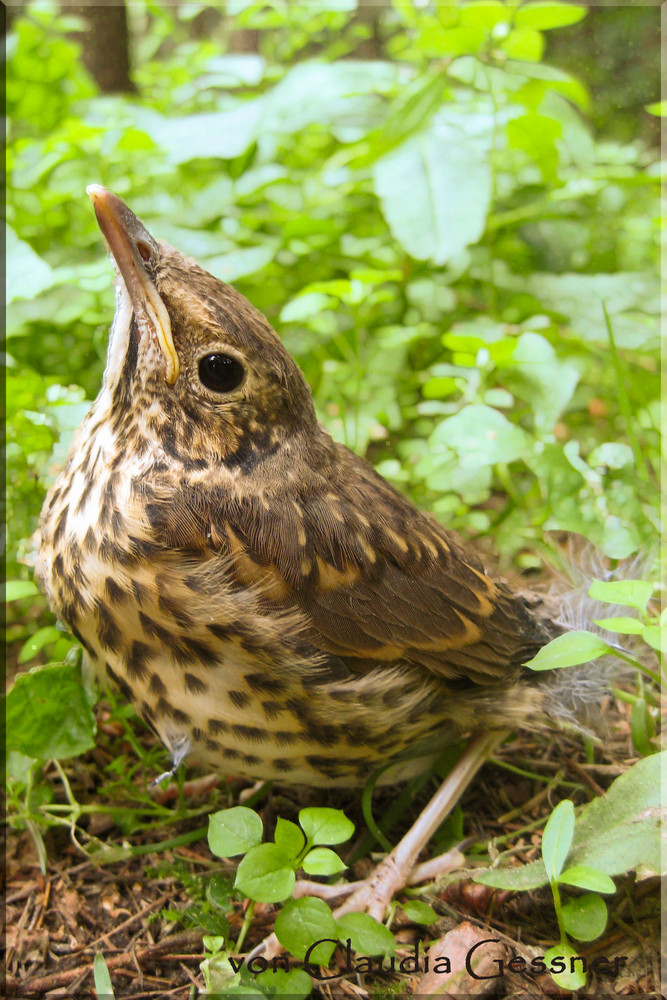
[267, 602]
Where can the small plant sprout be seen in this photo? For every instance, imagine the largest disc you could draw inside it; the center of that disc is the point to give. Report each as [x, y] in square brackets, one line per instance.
[584, 918]
[267, 874]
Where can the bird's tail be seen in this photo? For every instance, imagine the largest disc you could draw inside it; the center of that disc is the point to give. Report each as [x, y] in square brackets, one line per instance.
[576, 695]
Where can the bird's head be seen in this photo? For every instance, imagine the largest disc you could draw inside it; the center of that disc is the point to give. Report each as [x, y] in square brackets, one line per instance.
[190, 360]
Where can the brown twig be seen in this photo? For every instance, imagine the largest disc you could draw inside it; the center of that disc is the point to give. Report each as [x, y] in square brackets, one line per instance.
[43, 984]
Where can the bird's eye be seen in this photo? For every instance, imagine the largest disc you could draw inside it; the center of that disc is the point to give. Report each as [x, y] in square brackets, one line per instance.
[220, 372]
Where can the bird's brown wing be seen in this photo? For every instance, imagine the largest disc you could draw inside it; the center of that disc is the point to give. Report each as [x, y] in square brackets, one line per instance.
[380, 582]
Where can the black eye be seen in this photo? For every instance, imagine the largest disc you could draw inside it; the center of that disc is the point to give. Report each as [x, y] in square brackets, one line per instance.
[220, 372]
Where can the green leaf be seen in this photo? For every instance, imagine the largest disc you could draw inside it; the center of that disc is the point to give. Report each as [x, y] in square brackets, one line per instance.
[523, 43]
[305, 306]
[49, 715]
[587, 878]
[16, 590]
[366, 934]
[301, 923]
[480, 435]
[322, 861]
[557, 838]
[614, 833]
[657, 108]
[549, 383]
[103, 987]
[612, 455]
[630, 593]
[220, 134]
[27, 273]
[36, 642]
[289, 838]
[545, 15]
[484, 13]
[585, 918]
[563, 954]
[418, 911]
[654, 635]
[325, 826]
[520, 878]
[536, 135]
[639, 727]
[242, 261]
[233, 831]
[295, 984]
[213, 943]
[446, 170]
[626, 626]
[568, 650]
[265, 874]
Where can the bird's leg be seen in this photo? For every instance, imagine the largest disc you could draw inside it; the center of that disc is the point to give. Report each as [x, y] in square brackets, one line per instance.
[393, 873]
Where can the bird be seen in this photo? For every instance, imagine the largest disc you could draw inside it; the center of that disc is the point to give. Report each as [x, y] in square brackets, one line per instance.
[268, 603]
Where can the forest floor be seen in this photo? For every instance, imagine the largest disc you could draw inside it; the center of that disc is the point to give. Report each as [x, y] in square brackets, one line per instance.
[143, 912]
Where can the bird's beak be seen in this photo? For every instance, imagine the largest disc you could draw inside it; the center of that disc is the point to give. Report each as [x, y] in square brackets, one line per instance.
[131, 246]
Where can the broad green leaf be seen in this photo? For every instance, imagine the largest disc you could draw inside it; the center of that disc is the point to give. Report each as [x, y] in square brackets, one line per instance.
[568, 650]
[103, 987]
[480, 435]
[549, 383]
[630, 593]
[536, 135]
[585, 918]
[654, 635]
[626, 626]
[587, 878]
[578, 296]
[16, 590]
[37, 642]
[545, 15]
[234, 831]
[657, 108]
[560, 957]
[322, 861]
[289, 838]
[49, 715]
[301, 923]
[615, 833]
[304, 306]
[325, 826]
[326, 93]
[265, 874]
[366, 934]
[484, 13]
[409, 114]
[612, 455]
[418, 911]
[557, 838]
[456, 41]
[523, 43]
[446, 171]
[238, 263]
[294, 984]
[27, 273]
[221, 134]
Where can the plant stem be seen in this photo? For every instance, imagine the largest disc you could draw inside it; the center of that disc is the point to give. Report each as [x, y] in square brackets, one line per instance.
[624, 400]
[247, 920]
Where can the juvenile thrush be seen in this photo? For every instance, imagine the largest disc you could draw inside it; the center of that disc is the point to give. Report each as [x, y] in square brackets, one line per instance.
[265, 600]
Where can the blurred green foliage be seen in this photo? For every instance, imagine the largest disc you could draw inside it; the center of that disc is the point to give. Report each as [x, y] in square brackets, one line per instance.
[433, 234]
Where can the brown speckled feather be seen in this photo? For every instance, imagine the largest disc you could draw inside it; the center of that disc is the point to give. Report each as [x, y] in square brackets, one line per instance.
[265, 599]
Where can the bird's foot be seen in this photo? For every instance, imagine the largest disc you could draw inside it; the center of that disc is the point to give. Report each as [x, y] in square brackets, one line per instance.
[397, 869]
